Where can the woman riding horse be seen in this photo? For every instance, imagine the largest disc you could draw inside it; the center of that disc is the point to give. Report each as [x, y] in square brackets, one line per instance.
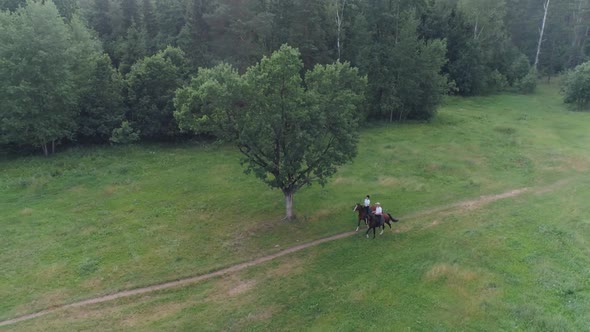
[387, 218]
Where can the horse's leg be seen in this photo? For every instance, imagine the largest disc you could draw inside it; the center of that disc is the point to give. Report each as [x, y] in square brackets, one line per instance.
[374, 232]
[367, 233]
[358, 225]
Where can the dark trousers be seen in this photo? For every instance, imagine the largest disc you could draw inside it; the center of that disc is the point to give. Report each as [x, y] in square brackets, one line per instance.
[380, 219]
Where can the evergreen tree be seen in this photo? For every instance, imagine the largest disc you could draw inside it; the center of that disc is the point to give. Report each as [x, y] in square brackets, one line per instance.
[131, 48]
[170, 17]
[150, 24]
[130, 12]
[100, 19]
[152, 83]
[66, 8]
[101, 104]
[405, 79]
[11, 5]
[194, 36]
[357, 36]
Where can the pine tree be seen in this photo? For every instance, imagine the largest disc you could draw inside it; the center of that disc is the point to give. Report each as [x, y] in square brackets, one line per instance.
[100, 19]
[150, 25]
[131, 48]
[101, 103]
[194, 38]
[130, 12]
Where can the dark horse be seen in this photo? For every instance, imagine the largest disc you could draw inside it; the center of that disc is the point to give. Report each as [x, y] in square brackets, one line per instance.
[374, 223]
[387, 219]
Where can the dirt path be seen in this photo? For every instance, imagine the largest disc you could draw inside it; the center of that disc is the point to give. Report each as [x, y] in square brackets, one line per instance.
[469, 204]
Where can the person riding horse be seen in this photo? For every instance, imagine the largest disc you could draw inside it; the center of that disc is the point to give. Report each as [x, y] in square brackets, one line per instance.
[379, 213]
[367, 205]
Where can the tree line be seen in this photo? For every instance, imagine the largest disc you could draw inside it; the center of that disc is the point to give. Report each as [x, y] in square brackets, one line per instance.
[100, 71]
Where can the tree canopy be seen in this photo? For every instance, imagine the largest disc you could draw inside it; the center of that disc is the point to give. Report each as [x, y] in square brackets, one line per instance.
[42, 65]
[291, 130]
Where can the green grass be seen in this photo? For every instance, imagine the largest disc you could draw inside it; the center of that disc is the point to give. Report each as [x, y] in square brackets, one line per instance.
[90, 222]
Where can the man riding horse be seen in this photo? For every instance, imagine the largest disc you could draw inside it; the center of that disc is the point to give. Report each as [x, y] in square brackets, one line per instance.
[378, 213]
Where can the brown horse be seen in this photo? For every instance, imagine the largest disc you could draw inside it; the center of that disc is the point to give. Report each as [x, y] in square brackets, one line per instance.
[361, 215]
[387, 218]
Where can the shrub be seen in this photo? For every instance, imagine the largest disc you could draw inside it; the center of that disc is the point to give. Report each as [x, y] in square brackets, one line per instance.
[576, 86]
[497, 81]
[124, 134]
[527, 84]
[518, 70]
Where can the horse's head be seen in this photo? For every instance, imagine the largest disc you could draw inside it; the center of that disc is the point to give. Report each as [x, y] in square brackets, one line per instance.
[356, 207]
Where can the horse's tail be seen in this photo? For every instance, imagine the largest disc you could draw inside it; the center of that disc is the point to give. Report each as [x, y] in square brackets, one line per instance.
[392, 218]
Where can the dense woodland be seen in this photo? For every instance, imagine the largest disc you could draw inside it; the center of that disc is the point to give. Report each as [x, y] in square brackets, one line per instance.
[108, 71]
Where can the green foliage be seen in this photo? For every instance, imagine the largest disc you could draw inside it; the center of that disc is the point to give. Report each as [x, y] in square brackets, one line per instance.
[496, 82]
[527, 84]
[130, 14]
[101, 103]
[170, 19]
[290, 133]
[67, 8]
[194, 38]
[100, 18]
[406, 80]
[131, 48]
[152, 83]
[124, 134]
[42, 65]
[11, 5]
[519, 69]
[576, 87]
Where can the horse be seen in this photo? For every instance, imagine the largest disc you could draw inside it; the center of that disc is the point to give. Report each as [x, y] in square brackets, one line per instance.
[387, 218]
[361, 215]
[373, 223]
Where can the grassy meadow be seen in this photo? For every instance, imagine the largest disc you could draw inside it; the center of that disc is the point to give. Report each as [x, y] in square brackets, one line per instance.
[89, 222]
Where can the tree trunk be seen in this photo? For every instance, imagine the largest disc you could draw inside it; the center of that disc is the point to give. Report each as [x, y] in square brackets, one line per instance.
[546, 7]
[475, 27]
[45, 150]
[339, 18]
[289, 206]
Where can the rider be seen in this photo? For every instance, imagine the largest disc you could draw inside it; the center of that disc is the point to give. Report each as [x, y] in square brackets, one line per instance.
[367, 205]
[379, 213]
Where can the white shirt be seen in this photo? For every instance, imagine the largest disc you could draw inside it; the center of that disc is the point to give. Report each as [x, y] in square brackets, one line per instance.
[378, 211]
[367, 202]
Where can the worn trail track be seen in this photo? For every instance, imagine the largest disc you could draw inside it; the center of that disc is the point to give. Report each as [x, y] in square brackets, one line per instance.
[464, 205]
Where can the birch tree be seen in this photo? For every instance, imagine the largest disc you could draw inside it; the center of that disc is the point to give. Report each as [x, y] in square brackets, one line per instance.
[541, 31]
[339, 6]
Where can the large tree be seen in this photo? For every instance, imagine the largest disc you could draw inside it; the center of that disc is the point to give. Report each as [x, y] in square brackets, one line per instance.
[42, 65]
[152, 83]
[405, 79]
[101, 102]
[291, 131]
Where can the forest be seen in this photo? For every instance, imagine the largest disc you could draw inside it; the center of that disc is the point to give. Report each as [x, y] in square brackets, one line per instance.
[113, 71]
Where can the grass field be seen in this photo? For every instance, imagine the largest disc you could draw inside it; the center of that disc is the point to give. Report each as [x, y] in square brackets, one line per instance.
[90, 222]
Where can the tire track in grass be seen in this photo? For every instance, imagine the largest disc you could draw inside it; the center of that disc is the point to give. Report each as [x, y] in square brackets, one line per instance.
[468, 204]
